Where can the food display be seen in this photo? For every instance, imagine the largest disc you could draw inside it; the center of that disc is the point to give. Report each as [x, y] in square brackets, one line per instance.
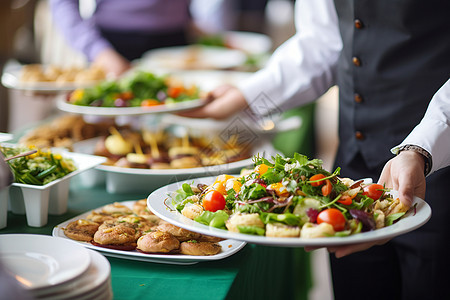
[140, 89]
[64, 131]
[289, 198]
[39, 168]
[163, 149]
[37, 73]
[119, 227]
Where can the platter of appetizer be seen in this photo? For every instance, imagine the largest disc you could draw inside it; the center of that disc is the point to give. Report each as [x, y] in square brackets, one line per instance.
[128, 230]
[51, 78]
[144, 160]
[289, 202]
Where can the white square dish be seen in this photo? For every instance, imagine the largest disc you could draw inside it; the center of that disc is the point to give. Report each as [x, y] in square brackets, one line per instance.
[37, 201]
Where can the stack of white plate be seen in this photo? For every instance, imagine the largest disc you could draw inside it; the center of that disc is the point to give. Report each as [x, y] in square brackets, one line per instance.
[55, 268]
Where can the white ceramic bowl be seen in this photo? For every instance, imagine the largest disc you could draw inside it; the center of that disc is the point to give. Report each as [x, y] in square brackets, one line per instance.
[37, 201]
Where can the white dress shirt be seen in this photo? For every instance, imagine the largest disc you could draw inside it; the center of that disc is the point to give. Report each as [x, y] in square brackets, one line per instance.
[433, 132]
[303, 68]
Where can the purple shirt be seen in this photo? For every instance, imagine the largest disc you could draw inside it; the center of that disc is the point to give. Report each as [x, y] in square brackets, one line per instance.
[152, 16]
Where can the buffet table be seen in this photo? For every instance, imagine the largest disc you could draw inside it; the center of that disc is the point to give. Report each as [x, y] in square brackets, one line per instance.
[255, 272]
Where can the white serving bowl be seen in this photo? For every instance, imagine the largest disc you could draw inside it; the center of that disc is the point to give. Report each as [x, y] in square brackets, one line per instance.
[37, 201]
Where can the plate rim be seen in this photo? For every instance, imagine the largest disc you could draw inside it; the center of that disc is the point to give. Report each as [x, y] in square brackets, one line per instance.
[181, 221]
[179, 259]
[62, 104]
[10, 79]
[84, 256]
[103, 268]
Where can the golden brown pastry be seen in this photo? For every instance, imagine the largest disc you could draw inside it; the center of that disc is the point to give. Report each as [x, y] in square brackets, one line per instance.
[193, 247]
[81, 230]
[157, 242]
[180, 233]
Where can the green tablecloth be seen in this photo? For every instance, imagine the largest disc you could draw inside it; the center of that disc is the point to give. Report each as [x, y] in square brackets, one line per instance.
[255, 272]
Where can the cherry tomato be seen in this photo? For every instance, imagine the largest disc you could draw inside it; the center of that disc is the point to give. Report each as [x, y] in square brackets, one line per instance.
[373, 191]
[317, 177]
[174, 91]
[213, 201]
[150, 102]
[345, 199]
[327, 188]
[332, 216]
[127, 95]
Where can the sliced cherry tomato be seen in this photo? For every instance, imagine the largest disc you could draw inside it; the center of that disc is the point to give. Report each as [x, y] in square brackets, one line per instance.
[213, 201]
[150, 102]
[174, 91]
[317, 177]
[332, 216]
[127, 95]
[373, 191]
[326, 189]
[345, 199]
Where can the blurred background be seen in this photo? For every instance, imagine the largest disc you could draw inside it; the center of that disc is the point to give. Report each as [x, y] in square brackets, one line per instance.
[29, 36]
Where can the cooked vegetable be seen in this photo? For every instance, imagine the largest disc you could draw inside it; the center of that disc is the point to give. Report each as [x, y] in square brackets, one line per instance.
[39, 168]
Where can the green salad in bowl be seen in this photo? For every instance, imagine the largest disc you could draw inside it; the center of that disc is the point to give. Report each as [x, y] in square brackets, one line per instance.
[39, 168]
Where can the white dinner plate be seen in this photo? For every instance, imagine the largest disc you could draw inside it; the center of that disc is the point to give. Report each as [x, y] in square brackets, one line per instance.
[5, 137]
[96, 277]
[160, 204]
[229, 247]
[63, 105]
[192, 57]
[11, 79]
[40, 261]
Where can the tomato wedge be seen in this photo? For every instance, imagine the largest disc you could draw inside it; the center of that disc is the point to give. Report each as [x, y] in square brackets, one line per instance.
[315, 178]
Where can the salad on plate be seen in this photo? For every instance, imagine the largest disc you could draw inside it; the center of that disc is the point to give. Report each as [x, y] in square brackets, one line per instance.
[290, 198]
[141, 89]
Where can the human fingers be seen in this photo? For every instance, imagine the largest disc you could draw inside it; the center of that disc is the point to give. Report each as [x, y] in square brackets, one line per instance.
[222, 107]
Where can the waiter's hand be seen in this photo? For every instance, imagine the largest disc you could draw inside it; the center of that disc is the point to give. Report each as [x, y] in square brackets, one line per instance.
[404, 173]
[223, 102]
[111, 62]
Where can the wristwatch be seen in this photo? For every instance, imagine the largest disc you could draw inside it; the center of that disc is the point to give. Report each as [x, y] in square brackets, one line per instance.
[425, 154]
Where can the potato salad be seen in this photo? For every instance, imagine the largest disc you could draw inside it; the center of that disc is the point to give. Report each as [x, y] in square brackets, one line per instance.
[291, 197]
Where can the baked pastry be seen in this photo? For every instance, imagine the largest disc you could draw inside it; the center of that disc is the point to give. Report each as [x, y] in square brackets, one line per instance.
[178, 232]
[157, 242]
[193, 247]
[81, 230]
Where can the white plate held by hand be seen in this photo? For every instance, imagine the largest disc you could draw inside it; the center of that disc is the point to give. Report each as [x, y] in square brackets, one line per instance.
[160, 204]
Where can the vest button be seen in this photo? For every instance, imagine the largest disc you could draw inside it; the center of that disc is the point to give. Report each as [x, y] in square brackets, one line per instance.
[358, 24]
[358, 98]
[356, 61]
[359, 135]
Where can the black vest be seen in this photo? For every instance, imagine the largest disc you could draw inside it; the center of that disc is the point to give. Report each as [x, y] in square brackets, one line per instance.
[396, 55]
